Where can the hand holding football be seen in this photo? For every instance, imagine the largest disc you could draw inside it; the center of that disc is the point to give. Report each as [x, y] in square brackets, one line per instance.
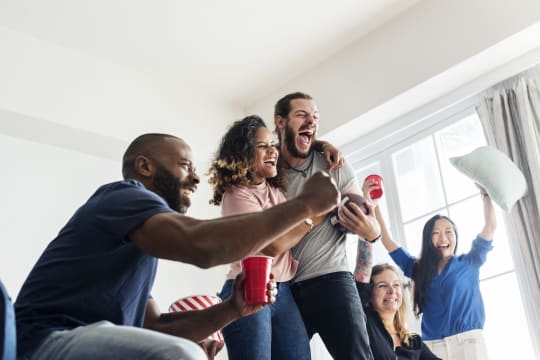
[346, 201]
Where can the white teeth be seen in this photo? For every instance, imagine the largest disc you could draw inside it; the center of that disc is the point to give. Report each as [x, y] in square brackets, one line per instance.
[187, 192]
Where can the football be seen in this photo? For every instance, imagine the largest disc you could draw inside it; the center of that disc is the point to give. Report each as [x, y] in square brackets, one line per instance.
[345, 201]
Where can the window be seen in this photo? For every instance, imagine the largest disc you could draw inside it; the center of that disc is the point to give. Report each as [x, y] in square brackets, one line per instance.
[419, 182]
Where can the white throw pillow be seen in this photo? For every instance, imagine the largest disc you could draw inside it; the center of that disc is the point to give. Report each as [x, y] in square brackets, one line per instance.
[495, 172]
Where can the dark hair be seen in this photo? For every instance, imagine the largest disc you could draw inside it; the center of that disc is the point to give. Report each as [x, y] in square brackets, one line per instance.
[427, 264]
[283, 105]
[233, 164]
[145, 144]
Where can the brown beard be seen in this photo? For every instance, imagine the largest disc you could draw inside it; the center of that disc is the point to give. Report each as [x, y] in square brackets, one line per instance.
[290, 143]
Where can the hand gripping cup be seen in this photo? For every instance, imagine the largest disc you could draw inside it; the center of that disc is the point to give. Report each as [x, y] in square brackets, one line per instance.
[198, 302]
[378, 191]
[257, 275]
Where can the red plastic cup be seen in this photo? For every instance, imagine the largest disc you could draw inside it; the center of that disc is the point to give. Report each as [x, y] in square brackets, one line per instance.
[198, 302]
[378, 191]
[257, 275]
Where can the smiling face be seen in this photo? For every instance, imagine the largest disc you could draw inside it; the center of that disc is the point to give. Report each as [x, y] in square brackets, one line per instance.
[265, 155]
[300, 127]
[174, 176]
[387, 292]
[443, 237]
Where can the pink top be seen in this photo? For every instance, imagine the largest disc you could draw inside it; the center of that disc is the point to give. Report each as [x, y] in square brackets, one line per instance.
[253, 198]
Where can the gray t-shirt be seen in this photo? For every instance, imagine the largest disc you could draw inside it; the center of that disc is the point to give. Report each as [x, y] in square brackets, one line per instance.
[323, 250]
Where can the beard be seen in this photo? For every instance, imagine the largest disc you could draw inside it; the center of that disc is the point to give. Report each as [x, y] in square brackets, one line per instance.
[169, 186]
[290, 144]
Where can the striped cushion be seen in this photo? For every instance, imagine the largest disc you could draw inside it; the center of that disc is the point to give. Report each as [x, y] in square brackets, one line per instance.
[198, 302]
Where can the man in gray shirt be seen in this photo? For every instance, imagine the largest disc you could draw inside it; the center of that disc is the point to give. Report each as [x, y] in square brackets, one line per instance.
[323, 287]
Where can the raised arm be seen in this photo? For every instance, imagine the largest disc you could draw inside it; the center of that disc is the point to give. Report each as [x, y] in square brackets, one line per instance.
[490, 220]
[386, 239]
[207, 243]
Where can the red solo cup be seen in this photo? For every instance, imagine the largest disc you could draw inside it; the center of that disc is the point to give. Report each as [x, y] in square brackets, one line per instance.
[198, 302]
[377, 192]
[257, 275]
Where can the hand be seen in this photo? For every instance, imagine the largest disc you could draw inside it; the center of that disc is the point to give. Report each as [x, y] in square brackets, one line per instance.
[239, 303]
[333, 156]
[367, 186]
[354, 220]
[320, 193]
[211, 347]
[483, 191]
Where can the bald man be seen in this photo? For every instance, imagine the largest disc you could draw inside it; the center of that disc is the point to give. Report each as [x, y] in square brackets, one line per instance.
[89, 294]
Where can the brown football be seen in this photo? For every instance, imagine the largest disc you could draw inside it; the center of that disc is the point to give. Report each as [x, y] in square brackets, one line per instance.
[345, 201]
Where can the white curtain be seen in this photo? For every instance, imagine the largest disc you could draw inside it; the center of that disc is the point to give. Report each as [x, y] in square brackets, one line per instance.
[510, 115]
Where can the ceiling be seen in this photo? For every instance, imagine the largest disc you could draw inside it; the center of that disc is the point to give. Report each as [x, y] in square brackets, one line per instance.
[238, 50]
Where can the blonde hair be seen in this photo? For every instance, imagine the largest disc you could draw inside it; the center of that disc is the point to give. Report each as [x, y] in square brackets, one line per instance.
[400, 318]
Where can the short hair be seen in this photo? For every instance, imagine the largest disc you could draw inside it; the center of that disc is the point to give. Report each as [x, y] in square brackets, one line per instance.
[145, 144]
[283, 106]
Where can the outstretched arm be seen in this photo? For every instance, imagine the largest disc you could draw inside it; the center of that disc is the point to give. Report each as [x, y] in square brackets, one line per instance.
[242, 200]
[490, 220]
[207, 243]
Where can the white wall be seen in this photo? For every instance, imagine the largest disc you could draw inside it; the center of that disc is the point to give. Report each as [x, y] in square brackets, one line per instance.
[423, 54]
[65, 120]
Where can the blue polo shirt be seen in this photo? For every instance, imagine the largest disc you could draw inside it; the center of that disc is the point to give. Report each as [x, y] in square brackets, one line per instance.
[91, 271]
[453, 303]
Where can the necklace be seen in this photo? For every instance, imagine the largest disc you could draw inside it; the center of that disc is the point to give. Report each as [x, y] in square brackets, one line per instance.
[305, 171]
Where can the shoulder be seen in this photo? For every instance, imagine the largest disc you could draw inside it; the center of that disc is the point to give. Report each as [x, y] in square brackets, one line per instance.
[126, 190]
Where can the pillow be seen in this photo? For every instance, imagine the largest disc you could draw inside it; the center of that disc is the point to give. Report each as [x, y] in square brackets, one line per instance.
[495, 172]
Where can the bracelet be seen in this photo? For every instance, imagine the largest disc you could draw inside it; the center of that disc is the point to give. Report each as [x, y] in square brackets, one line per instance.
[374, 240]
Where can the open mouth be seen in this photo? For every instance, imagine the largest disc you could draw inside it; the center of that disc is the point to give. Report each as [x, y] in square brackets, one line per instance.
[271, 162]
[188, 191]
[443, 246]
[390, 301]
[305, 136]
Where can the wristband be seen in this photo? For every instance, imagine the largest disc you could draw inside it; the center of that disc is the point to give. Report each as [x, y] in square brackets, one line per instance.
[374, 240]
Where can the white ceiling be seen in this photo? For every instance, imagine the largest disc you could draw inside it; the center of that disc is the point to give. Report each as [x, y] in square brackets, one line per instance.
[238, 50]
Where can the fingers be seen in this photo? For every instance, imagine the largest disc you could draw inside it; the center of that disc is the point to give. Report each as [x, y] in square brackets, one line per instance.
[369, 184]
[211, 347]
[272, 291]
[355, 221]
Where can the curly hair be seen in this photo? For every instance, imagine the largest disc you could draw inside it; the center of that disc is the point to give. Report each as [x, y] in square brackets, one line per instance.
[233, 163]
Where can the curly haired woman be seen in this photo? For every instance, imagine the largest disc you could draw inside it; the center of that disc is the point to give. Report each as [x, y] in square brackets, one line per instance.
[245, 178]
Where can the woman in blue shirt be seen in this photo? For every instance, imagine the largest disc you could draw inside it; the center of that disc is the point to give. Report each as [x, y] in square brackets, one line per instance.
[447, 286]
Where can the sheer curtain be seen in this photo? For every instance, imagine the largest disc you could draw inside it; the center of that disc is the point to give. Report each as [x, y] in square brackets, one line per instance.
[510, 115]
